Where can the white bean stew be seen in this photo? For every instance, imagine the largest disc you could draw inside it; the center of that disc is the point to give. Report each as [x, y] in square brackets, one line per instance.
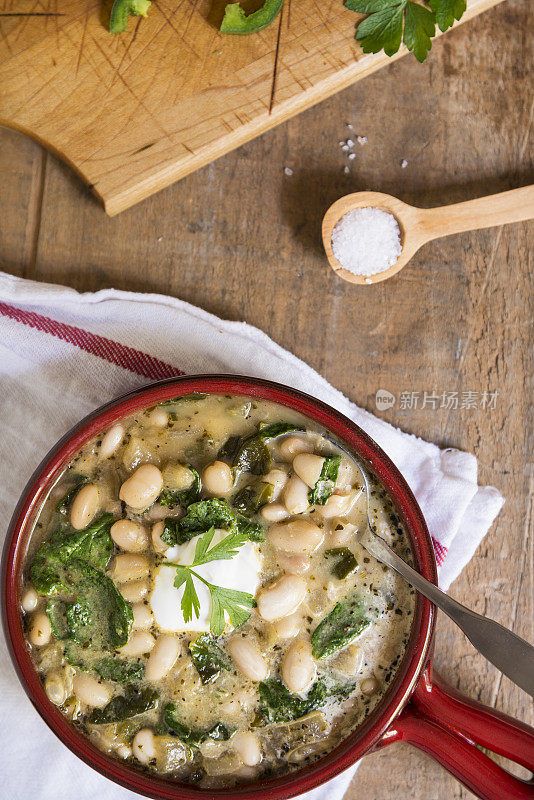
[195, 599]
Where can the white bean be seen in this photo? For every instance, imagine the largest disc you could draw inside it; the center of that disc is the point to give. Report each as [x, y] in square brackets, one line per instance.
[288, 627]
[143, 746]
[142, 616]
[248, 748]
[158, 417]
[346, 475]
[298, 667]
[40, 629]
[135, 591]
[90, 691]
[295, 495]
[337, 505]
[290, 446]
[55, 689]
[247, 658]
[139, 643]
[143, 487]
[157, 542]
[29, 600]
[342, 532]
[282, 597]
[369, 685]
[129, 567]
[218, 478]
[84, 506]
[129, 535]
[293, 563]
[299, 536]
[308, 467]
[111, 440]
[274, 512]
[278, 479]
[162, 658]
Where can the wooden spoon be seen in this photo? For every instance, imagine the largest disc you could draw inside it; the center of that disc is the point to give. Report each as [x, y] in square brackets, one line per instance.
[421, 225]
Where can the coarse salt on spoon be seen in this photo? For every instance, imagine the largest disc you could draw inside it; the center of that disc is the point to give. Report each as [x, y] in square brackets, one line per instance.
[420, 225]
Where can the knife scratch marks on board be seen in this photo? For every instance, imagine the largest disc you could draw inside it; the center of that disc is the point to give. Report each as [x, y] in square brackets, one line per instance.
[79, 61]
[275, 67]
[128, 88]
[130, 43]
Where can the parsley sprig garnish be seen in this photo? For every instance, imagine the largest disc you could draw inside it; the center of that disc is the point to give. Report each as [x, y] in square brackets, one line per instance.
[391, 22]
[235, 603]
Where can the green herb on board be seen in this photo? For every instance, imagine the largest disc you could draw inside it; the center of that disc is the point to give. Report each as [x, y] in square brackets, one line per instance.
[122, 9]
[236, 22]
[391, 22]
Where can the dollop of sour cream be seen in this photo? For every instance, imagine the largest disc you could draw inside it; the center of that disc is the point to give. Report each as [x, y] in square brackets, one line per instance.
[242, 572]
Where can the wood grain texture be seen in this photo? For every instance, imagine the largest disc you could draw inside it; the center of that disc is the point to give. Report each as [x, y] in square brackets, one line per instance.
[132, 113]
[243, 240]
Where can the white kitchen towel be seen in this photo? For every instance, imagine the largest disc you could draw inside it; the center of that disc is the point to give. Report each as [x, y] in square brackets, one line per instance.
[62, 354]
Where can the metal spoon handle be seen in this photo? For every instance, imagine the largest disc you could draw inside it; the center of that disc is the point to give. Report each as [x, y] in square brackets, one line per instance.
[509, 653]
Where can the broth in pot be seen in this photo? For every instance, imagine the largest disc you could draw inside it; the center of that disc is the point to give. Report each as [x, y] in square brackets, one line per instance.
[195, 599]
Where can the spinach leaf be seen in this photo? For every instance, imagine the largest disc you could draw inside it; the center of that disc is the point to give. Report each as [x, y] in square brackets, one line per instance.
[206, 514]
[192, 736]
[130, 704]
[208, 658]
[56, 612]
[277, 704]
[99, 616]
[182, 497]
[80, 480]
[109, 668]
[229, 449]
[344, 623]
[345, 561]
[253, 455]
[251, 498]
[326, 481]
[92, 544]
[185, 398]
[119, 670]
[252, 530]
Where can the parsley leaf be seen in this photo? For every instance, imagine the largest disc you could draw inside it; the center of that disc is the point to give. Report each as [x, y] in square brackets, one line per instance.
[235, 603]
[447, 11]
[419, 27]
[326, 482]
[391, 22]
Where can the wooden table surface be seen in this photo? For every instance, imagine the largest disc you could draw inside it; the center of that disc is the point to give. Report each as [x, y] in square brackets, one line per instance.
[242, 239]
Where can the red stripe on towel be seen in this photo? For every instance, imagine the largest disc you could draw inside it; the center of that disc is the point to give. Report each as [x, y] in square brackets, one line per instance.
[119, 354]
[441, 552]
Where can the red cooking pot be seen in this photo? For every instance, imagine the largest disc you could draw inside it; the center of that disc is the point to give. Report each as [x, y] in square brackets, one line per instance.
[417, 708]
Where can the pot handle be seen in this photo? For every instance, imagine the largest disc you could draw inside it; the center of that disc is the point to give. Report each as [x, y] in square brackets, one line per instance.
[451, 728]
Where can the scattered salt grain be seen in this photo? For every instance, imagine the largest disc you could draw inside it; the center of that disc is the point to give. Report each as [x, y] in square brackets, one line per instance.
[352, 155]
[404, 163]
[345, 148]
[288, 171]
[350, 127]
[366, 241]
[346, 170]
[361, 139]
[350, 143]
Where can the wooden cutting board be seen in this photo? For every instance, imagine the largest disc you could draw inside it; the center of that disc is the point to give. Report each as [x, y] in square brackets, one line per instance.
[135, 112]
